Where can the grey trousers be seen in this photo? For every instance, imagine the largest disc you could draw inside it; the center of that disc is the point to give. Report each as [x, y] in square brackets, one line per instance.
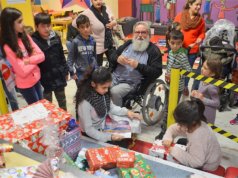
[119, 91]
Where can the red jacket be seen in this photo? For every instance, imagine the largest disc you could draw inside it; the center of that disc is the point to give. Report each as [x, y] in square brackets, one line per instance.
[191, 35]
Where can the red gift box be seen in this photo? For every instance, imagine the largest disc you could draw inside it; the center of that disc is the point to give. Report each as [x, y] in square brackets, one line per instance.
[158, 150]
[125, 159]
[30, 134]
[105, 157]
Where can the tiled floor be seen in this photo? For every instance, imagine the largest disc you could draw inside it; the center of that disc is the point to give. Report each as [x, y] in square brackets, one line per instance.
[229, 148]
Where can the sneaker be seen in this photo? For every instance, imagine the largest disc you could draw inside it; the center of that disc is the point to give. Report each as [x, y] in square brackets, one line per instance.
[185, 91]
[234, 121]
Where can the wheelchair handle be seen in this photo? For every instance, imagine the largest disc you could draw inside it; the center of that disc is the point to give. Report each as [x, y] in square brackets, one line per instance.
[202, 48]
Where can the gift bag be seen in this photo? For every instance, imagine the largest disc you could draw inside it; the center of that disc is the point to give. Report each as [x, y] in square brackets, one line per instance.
[70, 142]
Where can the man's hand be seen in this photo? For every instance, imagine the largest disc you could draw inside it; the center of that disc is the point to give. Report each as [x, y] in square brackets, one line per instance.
[133, 63]
[133, 115]
[116, 137]
[122, 60]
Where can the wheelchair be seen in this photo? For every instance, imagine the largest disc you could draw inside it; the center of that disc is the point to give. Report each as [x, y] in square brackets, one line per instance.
[149, 99]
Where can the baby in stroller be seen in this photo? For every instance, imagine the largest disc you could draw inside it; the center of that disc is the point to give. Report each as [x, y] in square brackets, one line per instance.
[220, 41]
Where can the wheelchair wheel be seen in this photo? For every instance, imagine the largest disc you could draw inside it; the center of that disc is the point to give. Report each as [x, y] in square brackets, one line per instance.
[153, 103]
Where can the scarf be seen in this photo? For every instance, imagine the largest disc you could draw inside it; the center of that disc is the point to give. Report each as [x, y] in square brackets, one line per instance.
[188, 23]
[103, 17]
[101, 103]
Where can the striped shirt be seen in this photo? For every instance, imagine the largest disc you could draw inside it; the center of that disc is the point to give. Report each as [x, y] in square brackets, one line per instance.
[178, 60]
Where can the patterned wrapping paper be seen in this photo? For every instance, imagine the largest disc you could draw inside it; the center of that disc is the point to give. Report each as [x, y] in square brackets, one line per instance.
[140, 170]
[18, 172]
[158, 150]
[125, 159]
[105, 157]
[30, 135]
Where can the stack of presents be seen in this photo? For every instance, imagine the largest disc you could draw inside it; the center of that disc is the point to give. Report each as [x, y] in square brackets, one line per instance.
[26, 127]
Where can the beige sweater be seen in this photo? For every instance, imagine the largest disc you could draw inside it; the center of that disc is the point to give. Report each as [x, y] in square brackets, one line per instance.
[98, 29]
[203, 150]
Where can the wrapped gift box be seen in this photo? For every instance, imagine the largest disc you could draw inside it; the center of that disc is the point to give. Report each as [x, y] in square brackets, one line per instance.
[125, 159]
[105, 157]
[140, 170]
[158, 150]
[30, 133]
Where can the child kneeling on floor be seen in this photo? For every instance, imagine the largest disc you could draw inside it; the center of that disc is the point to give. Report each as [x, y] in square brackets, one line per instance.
[203, 150]
[93, 105]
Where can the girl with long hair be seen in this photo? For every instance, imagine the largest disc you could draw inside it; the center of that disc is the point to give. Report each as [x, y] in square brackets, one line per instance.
[23, 54]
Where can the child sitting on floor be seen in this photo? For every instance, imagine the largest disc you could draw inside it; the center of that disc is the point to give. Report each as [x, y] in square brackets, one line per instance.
[93, 105]
[203, 150]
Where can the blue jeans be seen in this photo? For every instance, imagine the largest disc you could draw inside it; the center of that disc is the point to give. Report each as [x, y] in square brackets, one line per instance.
[32, 94]
[11, 96]
[191, 60]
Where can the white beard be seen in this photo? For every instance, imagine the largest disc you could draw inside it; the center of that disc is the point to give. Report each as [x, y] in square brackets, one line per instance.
[140, 44]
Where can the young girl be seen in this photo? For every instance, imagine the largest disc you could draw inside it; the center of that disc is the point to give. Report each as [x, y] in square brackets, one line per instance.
[203, 150]
[22, 53]
[208, 93]
[93, 104]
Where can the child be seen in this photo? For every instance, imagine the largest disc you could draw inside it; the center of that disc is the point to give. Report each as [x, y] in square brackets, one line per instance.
[82, 53]
[54, 70]
[203, 150]
[23, 54]
[172, 27]
[208, 93]
[93, 104]
[177, 58]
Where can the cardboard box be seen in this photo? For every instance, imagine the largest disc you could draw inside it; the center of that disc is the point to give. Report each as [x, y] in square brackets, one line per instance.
[30, 134]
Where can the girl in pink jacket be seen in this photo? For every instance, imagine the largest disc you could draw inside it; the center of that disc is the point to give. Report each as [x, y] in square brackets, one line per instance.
[23, 54]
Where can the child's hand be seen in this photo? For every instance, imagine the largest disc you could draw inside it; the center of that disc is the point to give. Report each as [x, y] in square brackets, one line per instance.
[26, 61]
[67, 77]
[133, 115]
[116, 137]
[167, 143]
[167, 77]
[75, 77]
[197, 94]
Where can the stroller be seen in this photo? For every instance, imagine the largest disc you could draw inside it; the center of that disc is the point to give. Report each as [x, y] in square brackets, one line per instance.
[220, 40]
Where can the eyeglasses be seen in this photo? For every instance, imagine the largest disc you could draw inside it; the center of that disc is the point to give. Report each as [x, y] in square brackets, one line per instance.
[141, 32]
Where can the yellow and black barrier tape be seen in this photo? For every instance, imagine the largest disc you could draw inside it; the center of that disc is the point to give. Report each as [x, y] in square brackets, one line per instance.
[224, 133]
[216, 82]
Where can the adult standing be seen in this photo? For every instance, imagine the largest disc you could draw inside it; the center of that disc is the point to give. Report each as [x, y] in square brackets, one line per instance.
[193, 28]
[102, 22]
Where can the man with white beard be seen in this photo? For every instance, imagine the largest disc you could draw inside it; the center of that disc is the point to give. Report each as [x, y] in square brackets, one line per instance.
[136, 62]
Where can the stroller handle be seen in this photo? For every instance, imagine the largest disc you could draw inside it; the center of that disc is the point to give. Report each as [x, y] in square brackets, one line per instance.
[202, 48]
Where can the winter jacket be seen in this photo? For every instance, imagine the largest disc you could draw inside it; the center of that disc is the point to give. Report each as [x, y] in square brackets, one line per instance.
[150, 71]
[54, 69]
[82, 55]
[27, 75]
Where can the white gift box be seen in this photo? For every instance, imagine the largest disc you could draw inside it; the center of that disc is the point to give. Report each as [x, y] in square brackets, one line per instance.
[160, 151]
